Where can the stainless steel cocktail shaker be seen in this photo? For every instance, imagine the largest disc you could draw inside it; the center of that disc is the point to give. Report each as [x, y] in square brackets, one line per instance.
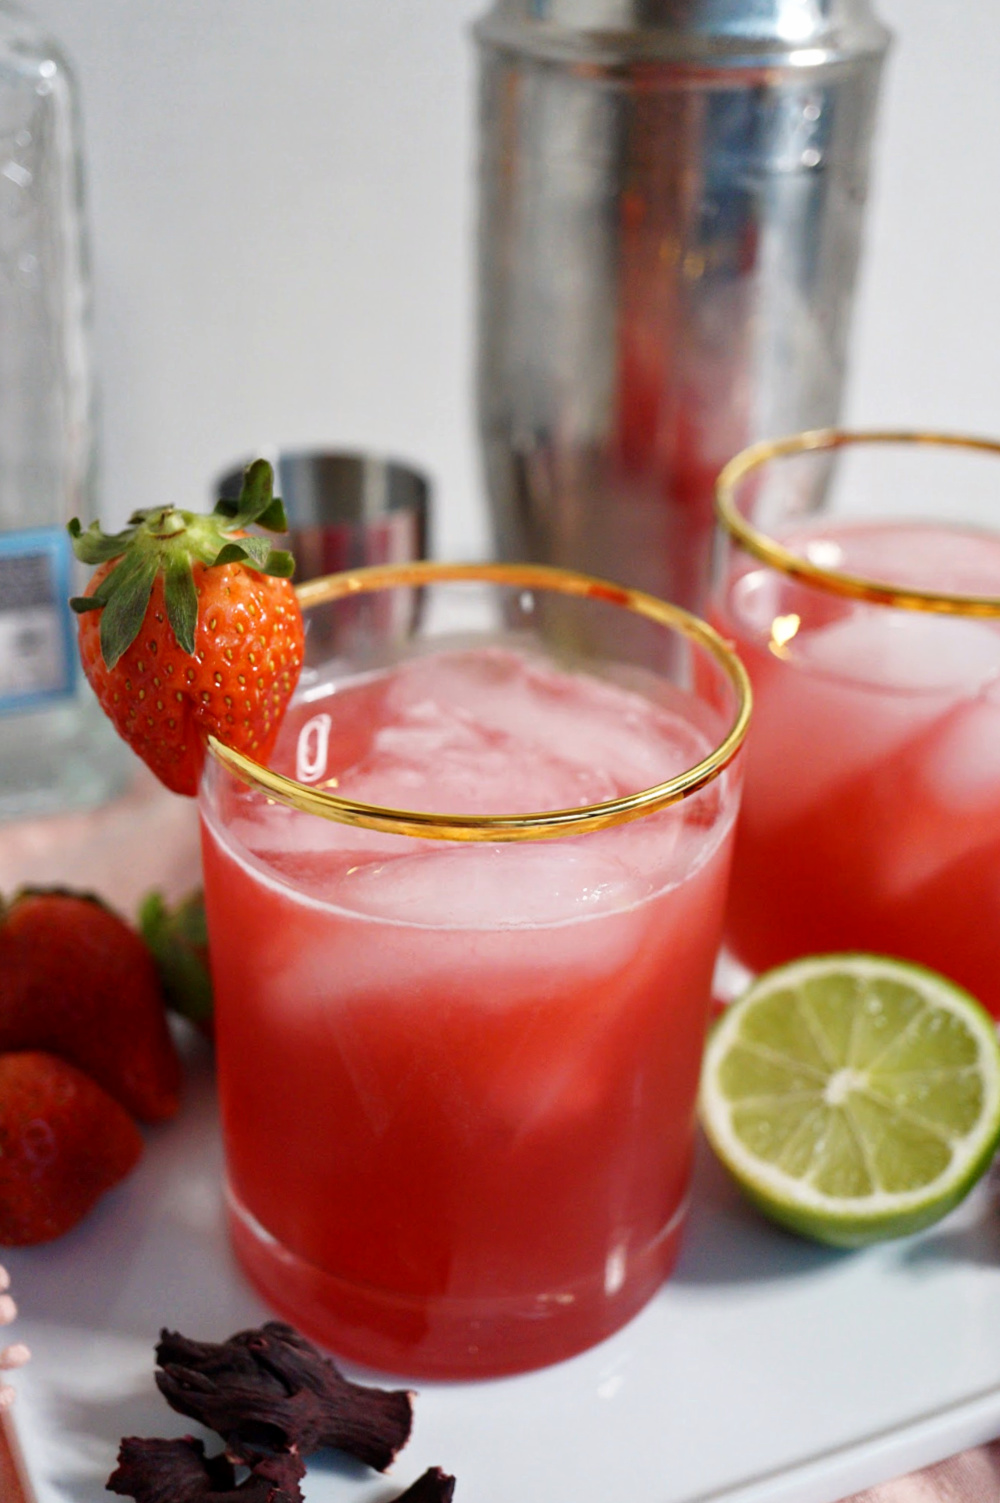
[671, 197]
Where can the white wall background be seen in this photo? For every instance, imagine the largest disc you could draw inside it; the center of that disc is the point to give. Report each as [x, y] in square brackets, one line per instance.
[281, 196]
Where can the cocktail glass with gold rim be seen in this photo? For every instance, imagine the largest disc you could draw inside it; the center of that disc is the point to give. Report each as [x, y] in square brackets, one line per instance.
[463, 931]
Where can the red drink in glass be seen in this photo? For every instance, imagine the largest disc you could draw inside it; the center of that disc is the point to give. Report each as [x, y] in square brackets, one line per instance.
[458, 1078]
[871, 810]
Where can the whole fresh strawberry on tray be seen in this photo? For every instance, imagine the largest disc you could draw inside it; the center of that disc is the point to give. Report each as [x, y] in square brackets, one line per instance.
[84, 1050]
[76, 980]
[63, 1142]
[190, 627]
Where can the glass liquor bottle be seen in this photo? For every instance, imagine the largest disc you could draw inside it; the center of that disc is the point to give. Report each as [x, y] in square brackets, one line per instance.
[56, 749]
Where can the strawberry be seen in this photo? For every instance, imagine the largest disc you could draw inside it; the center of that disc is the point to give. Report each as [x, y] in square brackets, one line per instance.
[63, 1142]
[190, 627]
[77, 981]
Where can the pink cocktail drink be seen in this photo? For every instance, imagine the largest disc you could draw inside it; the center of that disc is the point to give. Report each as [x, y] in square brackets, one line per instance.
[871, 810]
[458, 1078]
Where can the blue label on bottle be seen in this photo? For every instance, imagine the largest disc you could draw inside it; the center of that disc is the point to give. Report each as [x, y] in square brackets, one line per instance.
[38, 658]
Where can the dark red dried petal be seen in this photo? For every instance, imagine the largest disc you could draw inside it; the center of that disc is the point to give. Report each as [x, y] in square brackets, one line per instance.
[168, 1471]
[269, 1389]
[434, 1486]
[178, 1471]
[274, 1479]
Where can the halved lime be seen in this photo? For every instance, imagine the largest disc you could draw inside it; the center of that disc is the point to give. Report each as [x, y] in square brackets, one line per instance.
[854, 1097]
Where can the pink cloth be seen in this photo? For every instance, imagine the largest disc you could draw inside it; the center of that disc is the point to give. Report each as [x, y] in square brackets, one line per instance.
[972, 1477]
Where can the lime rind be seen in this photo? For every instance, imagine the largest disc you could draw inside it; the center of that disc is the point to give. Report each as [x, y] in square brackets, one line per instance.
[854, 1097]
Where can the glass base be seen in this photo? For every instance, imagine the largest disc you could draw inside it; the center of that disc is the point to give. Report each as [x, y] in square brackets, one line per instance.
[441, 1337]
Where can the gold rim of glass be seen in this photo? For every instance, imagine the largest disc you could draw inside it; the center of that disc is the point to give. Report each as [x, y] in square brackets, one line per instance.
[838, 582]
[499, 828]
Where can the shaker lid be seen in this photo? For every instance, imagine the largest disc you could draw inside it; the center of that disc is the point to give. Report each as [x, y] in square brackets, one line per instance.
[710, 32]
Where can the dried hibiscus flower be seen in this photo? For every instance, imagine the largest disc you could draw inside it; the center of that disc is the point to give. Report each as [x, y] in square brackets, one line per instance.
[178, 1471]
[269, 1390]
[434, 1486]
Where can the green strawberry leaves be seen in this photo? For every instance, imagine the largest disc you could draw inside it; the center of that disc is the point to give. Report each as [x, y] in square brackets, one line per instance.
[126, 603]
[257, 503]
[94, 546]
[258, 553]
[166, 540]
[178, 940]
[181, 599]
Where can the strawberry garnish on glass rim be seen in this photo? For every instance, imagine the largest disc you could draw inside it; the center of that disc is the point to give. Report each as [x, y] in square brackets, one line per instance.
[190, 627]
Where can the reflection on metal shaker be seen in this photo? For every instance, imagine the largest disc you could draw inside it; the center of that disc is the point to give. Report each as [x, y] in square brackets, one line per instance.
[671, 196]
[345, 510]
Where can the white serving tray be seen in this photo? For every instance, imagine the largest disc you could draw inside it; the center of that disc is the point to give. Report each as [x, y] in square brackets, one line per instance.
[766, 1371]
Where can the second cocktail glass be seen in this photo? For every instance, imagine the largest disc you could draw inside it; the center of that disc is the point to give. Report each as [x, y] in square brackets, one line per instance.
[463, 933]
[871, 632]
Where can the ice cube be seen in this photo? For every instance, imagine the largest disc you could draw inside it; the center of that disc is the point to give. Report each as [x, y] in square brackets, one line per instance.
[961, 765]
[646, 848]
[851, 696]
[662, 850]
[274, 831]
[440, 759]
[449, 885]
[954, 808]
[920, 555]
[581, 723]
[394, 935]
[904, 650]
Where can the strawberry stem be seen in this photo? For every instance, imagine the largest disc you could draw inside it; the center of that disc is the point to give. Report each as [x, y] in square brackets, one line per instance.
[165, 540]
